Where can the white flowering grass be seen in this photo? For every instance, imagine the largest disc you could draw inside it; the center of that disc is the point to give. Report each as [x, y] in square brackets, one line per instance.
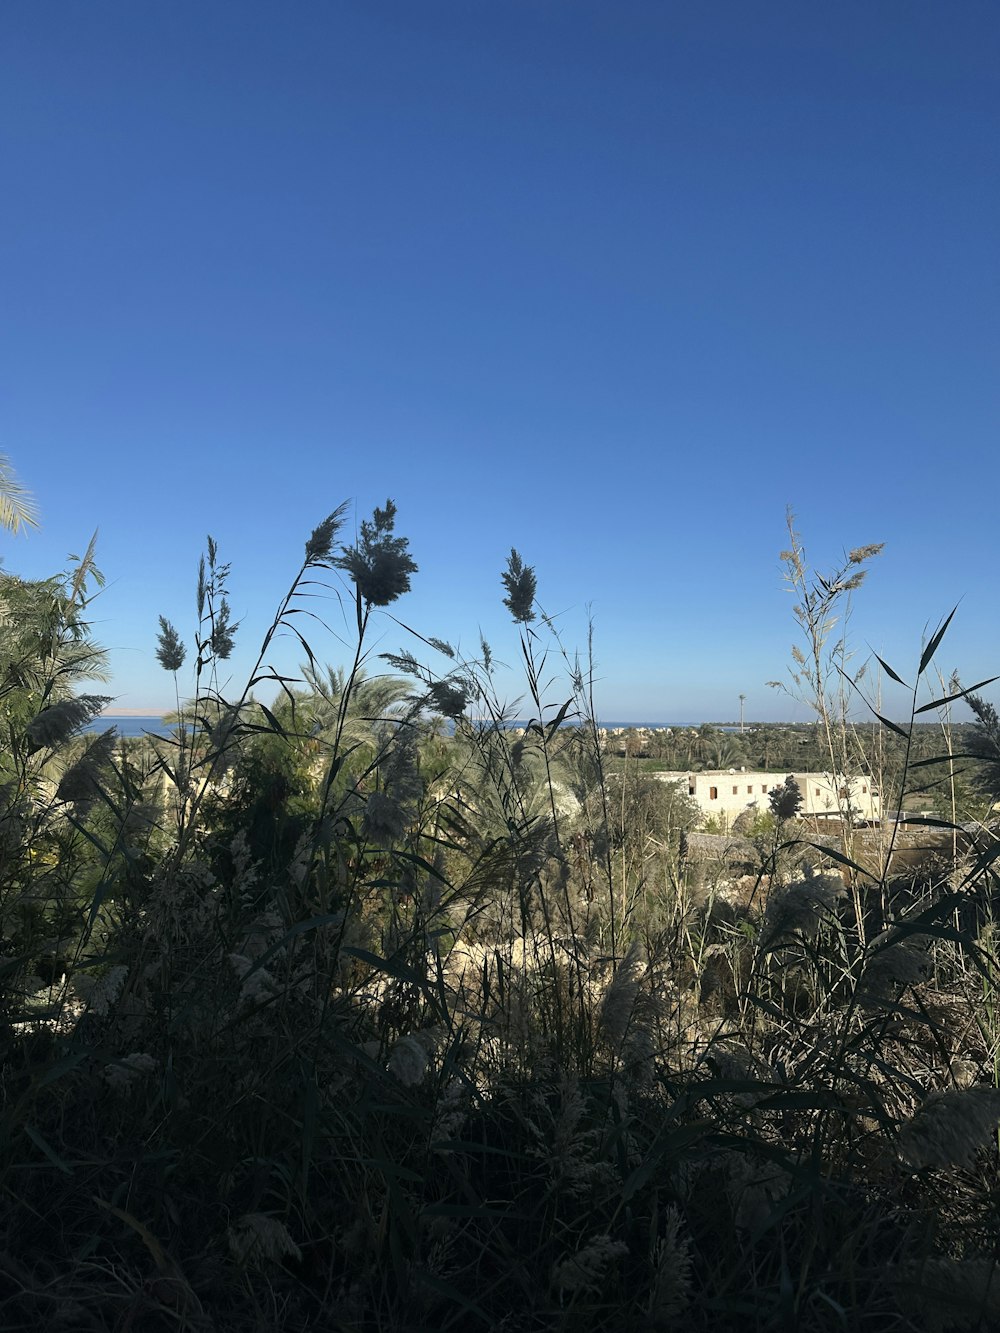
[951, 1128]
[671, 1287]
[586, 1271]
[100, 993]
[258, 985]
[618, 1004]
[257, 1239]
[130, 1070]
[800, 908]
[410, 1057]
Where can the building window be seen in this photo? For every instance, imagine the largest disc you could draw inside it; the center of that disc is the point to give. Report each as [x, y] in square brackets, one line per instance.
[735, 790]
[763, 786]
[749, 789]
[713, 793]
[864, 788]
[816, 790]
[690, 791]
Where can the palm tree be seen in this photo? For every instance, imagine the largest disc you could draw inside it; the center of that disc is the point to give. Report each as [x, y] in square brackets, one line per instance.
[17, 507]
[704, 739]
[337, 714]
[46, 647]
[728, 752]
[370, 700]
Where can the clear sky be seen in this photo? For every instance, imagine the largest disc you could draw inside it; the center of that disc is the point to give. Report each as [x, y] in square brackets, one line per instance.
[612, 282]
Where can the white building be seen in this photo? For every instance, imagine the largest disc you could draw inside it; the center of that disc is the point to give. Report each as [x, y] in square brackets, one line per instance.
[728, 792]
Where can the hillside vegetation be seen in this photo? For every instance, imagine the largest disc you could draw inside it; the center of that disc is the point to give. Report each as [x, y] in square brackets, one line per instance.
[360, 1010]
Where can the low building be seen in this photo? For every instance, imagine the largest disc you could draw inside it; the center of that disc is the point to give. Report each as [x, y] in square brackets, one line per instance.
[729, 792]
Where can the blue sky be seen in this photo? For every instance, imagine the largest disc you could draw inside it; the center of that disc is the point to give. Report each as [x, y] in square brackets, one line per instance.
[613, 283]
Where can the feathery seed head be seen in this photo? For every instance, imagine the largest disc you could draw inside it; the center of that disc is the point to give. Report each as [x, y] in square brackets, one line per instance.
[670, 1292]
[950, 1127]
[384, 821]
[520, 582]
[223, 631]
[126, 1072]
[862, 553]
[585, 1270]
[101, 993]
[380, 565]
[257, 1239]
[56, 723]
[736, 1062]
[447, 699]
[753, 1187]
[569, 1147]
[388, 812]
[943, 1294]
[409, 1059]
[786, 801]
[258, 985]
[620, 997]
[240, 964]
[800, 908]
[170, 652]
[901, 964]
[451, 1112]
[79, 784]
[320, 544]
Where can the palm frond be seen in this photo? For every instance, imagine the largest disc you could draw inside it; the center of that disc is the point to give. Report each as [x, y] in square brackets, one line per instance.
[17, 506]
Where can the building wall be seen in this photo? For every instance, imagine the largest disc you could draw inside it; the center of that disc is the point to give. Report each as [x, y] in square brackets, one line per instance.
[730, 792]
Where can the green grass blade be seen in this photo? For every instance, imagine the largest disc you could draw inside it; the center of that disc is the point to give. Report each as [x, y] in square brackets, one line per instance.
[935, 641]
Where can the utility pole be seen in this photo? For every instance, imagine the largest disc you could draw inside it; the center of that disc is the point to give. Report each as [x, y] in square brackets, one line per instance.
[742, 701]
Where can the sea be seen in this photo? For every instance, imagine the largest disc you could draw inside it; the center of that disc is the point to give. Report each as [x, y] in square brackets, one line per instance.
[154, 725]
[132, 726]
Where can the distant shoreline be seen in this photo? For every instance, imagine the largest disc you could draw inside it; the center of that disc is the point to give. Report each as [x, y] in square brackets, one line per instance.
[134, 712]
